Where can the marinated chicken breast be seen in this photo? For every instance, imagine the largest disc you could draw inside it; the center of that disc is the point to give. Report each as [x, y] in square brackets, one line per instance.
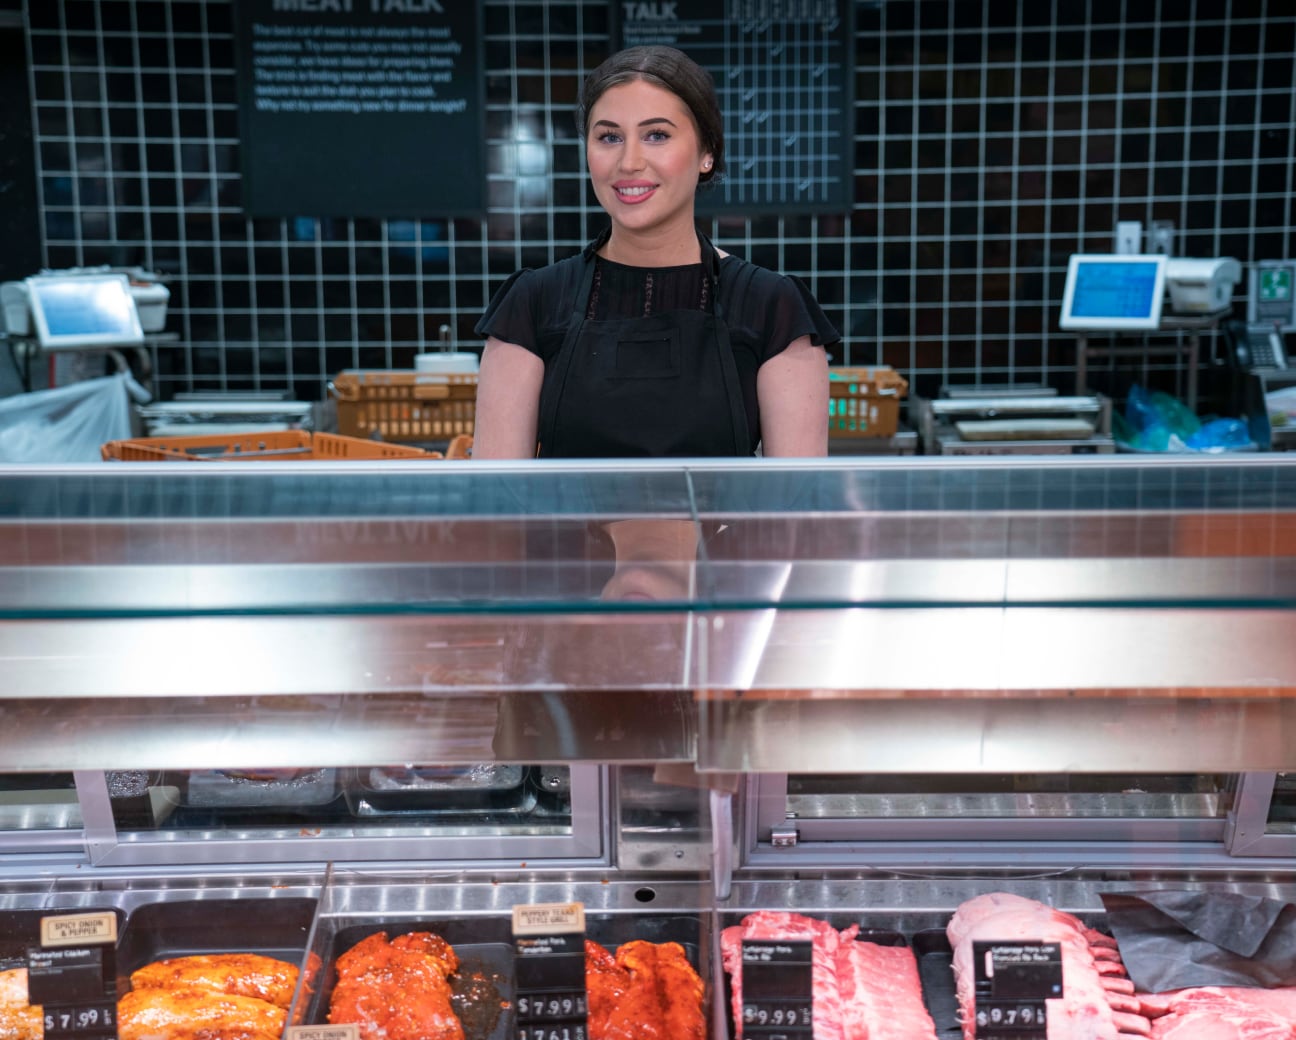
[196, 1014]
[18, 1019]
[240, 974]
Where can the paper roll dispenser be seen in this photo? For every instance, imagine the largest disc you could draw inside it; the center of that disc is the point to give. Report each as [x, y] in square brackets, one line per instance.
[1201, 286]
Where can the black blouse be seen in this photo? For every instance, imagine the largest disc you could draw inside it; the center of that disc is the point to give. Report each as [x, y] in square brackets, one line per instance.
[765, 311]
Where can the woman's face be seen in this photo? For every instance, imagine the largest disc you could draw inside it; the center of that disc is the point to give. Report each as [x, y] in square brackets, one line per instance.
[644, 156]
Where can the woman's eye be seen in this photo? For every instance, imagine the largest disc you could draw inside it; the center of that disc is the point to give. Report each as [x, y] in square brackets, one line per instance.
[608, 137]
[657, 135]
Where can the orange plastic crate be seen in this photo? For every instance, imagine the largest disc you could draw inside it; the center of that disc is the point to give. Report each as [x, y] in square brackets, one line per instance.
[271, 446]
[401, 406]
[864, 402]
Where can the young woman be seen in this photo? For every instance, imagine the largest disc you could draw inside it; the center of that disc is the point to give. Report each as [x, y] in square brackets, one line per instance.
[651, 342]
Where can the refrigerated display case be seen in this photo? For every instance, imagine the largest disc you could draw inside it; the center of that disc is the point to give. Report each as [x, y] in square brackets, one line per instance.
[408, 695]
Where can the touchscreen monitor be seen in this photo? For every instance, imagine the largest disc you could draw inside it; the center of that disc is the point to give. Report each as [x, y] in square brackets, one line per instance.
[80, 312]
[1113, 292]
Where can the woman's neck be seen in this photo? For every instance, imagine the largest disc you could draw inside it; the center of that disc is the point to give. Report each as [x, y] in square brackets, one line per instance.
[674, 248]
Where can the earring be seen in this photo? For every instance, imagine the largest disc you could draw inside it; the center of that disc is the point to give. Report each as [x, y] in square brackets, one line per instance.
[706, 164]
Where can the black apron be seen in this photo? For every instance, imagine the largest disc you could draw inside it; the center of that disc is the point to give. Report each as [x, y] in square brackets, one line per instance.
[664, 385]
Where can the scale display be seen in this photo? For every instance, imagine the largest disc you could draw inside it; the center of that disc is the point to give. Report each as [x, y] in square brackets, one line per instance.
[782, 77]
[1113, 292]
[79, 312]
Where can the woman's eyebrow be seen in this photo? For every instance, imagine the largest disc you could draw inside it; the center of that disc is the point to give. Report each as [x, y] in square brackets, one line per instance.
[646, 122]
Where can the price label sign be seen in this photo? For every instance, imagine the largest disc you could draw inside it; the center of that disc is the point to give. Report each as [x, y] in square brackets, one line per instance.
[72, 976]
[340, 1032]
[82, 1022]
[1013, 981]
[549, 968]
[778, 989]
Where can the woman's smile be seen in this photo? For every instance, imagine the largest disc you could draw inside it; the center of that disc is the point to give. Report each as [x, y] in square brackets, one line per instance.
[633, 192]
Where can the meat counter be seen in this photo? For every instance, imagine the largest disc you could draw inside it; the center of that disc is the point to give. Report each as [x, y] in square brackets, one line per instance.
[869, 692]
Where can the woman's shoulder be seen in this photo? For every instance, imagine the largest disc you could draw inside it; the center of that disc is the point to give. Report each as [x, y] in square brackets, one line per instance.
[741, 280]
[774, 308]
[531, 295]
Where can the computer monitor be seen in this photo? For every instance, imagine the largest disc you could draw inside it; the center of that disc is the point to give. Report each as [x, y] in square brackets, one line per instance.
[84, 311]
[1113, 292]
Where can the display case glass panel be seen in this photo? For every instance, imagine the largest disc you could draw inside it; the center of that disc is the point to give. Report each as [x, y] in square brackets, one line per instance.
[38, 801]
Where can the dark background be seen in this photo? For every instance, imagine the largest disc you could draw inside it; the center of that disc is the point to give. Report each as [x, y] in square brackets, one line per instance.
[991, 141]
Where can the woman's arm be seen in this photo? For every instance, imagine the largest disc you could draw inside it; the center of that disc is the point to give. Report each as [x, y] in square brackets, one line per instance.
[792, 388]
[508, 402]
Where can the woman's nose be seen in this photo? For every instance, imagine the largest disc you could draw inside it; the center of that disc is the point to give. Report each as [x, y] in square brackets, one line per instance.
[632, 156]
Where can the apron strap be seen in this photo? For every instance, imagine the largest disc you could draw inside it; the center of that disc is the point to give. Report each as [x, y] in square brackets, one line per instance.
[546, 424]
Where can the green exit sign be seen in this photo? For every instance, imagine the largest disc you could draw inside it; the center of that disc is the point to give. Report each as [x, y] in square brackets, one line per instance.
[1276, 283]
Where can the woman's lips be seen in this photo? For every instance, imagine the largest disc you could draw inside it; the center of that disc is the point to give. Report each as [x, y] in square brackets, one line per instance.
[633, 194]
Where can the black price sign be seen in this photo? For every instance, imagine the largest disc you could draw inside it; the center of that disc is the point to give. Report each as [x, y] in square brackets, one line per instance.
[72, 976]
[778, 989]
[1012, 982]
[68, 983]
[549, 968]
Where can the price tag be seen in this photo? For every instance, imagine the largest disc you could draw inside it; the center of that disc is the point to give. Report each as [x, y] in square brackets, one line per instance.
[1013, 980]
[347, 1032]
[778, 989]
[549, 968]
[72, 976]
[82, 1022]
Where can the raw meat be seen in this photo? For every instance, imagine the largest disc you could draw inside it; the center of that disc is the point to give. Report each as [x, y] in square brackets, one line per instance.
[1222, 1013]
[18, 1019]
[1095, 1004]
[778, 924]
[861, 990]
[648, 991]
[226, 996]
[196, 1014]
[881, 995]
[244, 974]
[397, 990]
[1281, 1001]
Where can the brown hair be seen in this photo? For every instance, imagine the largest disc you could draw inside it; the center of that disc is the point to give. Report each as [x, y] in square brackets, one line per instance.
[671, 70]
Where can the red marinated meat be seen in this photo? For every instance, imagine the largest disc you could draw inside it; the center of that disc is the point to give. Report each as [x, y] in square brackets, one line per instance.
[881, 995]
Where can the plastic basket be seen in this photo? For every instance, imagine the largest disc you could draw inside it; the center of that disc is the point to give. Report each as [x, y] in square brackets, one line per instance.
[272, 445]
[864, 402]
[405, 405]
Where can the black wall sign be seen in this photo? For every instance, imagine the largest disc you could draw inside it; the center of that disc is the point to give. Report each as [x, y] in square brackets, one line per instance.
[778, 989]
[361, 108]
[782, 75]
[1012, 981]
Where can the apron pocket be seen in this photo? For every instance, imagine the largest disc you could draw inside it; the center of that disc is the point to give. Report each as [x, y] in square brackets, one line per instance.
[648, 355]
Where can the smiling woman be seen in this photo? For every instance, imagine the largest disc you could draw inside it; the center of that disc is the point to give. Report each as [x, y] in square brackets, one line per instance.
[651, 342]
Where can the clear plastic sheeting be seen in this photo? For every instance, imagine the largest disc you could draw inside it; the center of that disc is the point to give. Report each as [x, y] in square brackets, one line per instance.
[68, 423]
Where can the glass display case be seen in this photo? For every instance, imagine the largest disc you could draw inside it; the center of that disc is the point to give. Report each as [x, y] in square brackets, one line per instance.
[414, 693]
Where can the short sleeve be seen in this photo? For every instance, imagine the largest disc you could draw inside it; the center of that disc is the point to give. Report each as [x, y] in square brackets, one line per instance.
[793, 312]
[512, 314]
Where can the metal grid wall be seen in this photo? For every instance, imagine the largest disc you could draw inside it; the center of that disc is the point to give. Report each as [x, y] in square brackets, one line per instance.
[991, 141]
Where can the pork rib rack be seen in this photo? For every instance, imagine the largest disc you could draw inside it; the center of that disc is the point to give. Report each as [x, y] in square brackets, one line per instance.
[1098, 1000]
[861, 990]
